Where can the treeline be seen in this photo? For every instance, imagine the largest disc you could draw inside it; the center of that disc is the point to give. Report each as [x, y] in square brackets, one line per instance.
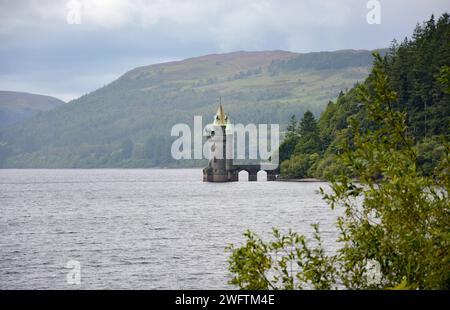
[419, 72]
[324, 61]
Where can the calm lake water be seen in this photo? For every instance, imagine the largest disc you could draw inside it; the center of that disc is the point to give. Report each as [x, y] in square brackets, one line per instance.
[139, 229]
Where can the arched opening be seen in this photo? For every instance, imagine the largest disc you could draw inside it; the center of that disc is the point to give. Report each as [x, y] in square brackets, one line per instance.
[243, 176]
[262, 176]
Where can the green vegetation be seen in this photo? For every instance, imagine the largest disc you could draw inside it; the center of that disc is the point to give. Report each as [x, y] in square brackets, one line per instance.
[394, 232]
[17, 106]
[324, 60]
[307, 146]
[418, 70]
[127, 123]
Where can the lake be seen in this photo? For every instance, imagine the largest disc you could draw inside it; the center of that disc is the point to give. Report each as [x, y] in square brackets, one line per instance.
[140, 229]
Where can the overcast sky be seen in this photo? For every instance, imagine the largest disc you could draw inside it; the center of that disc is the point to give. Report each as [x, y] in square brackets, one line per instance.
[41, 52]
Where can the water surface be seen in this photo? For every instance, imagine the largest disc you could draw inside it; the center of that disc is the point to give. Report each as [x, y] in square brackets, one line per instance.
[139, 229]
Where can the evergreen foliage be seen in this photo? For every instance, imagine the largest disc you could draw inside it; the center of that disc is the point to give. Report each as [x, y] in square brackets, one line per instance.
[419, 72]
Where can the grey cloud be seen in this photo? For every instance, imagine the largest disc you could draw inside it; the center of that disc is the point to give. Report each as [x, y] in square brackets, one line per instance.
[116, 35]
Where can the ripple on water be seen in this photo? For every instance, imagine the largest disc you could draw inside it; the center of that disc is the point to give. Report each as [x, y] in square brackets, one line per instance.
[140, 229]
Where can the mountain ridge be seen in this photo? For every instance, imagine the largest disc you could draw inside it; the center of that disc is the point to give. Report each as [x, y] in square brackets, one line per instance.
[19, 106]
[127, 122]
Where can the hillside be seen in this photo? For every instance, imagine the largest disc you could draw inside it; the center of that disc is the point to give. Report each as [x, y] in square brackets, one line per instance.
[127, 123]
[418, 70]
[18, 106]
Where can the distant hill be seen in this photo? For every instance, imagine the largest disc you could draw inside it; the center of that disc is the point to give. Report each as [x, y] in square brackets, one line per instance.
[18, 106]
[127, 123]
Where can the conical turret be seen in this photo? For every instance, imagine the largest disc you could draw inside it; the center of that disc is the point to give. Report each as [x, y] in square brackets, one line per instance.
[220, 119]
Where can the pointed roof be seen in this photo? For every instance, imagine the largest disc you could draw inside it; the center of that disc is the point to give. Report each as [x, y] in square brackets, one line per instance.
[220, 119]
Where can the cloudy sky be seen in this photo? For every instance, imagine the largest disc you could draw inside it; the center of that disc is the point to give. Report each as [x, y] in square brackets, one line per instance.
[44, 50]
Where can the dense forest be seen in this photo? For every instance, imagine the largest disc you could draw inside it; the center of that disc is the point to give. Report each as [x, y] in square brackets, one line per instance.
[418, 69]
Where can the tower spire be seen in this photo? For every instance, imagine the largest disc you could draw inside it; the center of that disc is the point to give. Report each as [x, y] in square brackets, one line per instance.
[220, 119]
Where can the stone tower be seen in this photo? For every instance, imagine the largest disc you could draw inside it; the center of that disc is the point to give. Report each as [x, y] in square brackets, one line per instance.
[221, 167]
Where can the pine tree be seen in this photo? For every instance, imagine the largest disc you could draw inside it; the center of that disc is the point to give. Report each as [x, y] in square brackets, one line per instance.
[308, 124]
[292, 127]
[309, 141]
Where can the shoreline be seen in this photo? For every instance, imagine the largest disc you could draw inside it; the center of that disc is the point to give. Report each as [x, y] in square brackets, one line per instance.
[299, 180]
